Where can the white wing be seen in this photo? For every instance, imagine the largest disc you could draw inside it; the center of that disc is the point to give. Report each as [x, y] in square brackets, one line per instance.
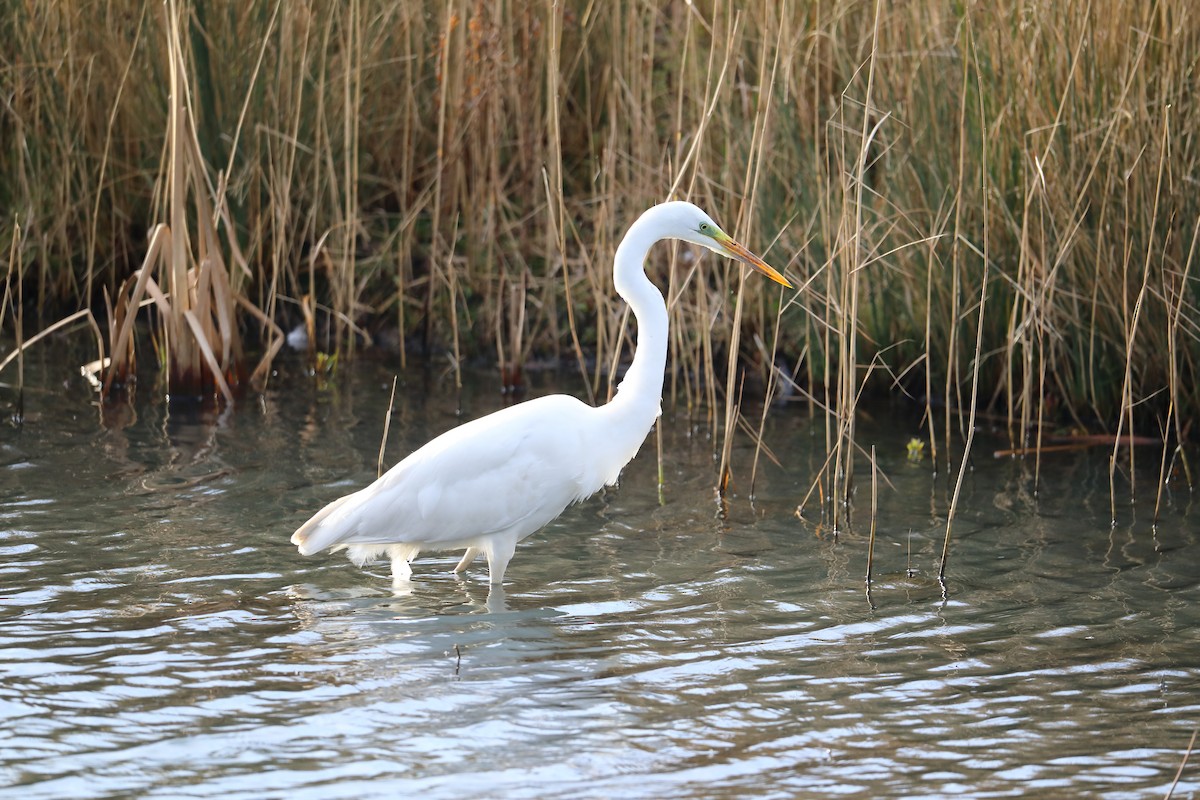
[514, 470]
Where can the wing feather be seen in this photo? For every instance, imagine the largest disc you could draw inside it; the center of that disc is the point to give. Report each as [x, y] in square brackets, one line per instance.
[511, 471]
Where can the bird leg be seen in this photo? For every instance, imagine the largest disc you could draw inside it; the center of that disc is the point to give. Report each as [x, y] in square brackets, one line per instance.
[401, 572]
[499, 551]
[467, 558]
[401, 569]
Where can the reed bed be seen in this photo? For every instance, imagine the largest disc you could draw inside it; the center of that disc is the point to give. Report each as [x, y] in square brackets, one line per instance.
[991, 200]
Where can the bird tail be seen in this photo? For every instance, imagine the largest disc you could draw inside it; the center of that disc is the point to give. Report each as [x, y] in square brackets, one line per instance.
[326, 528]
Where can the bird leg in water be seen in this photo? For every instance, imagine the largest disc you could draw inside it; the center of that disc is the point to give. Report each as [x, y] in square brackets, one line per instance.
[401, 556]
[499, 552]
[467, 558]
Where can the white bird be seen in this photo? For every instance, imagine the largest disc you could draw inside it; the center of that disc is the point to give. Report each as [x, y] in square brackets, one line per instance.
[489, 483]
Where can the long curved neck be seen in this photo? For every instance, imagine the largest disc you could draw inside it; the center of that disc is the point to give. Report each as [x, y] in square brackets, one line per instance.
[639, 396]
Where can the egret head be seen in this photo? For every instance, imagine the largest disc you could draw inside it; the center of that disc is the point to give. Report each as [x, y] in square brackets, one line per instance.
[693, 225]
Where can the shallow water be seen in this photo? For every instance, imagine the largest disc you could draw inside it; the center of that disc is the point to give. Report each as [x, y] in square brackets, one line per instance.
[159, 636]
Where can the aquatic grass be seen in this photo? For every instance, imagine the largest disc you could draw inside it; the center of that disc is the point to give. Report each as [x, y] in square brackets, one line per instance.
[454, 176]
[198, 338]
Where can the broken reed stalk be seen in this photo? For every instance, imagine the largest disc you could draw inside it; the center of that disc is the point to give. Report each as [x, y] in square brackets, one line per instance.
[84, 315]
[874, 513]
[387, 424]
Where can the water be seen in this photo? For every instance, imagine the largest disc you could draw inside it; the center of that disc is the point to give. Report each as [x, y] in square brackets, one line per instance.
[159, 636]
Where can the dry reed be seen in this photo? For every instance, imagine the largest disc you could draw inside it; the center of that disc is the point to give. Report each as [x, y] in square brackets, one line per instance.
[198, 337]
[457, 174]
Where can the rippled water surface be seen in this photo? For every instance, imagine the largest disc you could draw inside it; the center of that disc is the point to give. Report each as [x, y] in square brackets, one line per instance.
[159, 636]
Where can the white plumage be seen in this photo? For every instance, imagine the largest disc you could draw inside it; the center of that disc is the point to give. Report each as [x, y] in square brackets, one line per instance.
[487, 484]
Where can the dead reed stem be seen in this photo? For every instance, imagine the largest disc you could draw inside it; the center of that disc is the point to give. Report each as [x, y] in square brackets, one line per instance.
[977, 361]
[1183, 763]
[874, 515]
[387, 424]
[966, 456]
[63, 324]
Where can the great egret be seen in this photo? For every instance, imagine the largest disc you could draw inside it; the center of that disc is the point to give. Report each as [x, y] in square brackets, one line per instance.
[487, 484]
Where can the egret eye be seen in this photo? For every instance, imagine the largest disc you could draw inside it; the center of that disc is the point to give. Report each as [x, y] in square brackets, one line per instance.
[706, 229]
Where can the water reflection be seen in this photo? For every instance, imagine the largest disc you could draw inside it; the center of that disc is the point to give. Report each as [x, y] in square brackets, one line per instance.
[159, 636]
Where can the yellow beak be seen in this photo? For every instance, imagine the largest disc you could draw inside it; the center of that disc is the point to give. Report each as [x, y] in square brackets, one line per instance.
[734, 250]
